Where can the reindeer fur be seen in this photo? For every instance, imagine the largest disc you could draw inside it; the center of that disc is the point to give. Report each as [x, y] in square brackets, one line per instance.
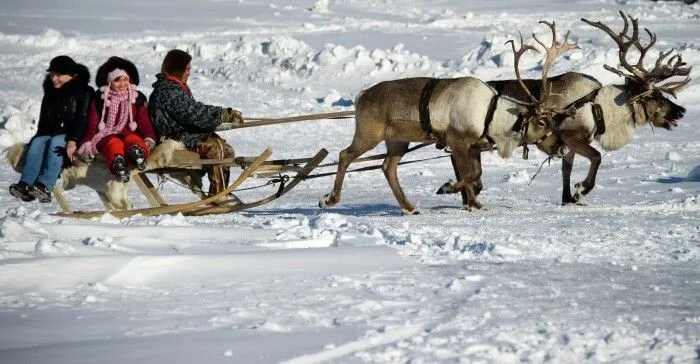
[619, 120]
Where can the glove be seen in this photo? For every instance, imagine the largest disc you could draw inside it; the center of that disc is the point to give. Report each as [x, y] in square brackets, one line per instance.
[150, 143]
[231, 116]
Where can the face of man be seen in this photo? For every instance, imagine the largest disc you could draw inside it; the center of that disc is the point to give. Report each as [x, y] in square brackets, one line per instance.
[186, 74]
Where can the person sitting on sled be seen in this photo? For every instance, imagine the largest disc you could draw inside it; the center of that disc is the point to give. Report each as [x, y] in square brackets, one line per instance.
[177, 115]
[62, 122]
[119, 126]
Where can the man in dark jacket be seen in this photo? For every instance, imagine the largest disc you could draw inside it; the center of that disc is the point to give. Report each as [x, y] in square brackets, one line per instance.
[176, 115]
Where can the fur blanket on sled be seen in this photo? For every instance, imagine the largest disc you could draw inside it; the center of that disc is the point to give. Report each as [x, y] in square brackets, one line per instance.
[96, 174]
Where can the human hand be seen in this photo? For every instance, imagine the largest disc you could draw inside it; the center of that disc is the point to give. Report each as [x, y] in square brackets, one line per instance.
[232, 116]
[71, 146]
[150, 143]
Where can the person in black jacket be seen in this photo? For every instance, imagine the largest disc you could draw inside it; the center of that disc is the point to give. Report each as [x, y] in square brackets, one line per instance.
[175, 114]
[62, 123]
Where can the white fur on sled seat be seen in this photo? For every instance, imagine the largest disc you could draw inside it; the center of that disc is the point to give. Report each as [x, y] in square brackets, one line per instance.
[96, 175]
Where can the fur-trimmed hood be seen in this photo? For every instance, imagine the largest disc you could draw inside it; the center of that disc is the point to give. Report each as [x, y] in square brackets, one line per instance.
[80, 82]
[112, 64]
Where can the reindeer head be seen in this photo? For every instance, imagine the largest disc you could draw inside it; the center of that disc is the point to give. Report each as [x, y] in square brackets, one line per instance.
[644, 88]
[539, 114]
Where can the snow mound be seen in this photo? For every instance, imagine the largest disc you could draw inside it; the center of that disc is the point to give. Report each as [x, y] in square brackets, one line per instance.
[49, 38]
[673, 156]
[320, 7]
[18, 123]
[520, 177]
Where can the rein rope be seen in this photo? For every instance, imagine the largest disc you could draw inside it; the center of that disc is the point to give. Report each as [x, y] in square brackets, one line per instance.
[548, 159]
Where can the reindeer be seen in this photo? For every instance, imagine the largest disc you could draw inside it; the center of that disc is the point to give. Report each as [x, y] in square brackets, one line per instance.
[568, 91]
[457, 112]
[621, 107]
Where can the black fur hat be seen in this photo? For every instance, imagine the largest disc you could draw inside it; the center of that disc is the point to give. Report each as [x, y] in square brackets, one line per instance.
[112, 64]
[63, 65]
[175, 62]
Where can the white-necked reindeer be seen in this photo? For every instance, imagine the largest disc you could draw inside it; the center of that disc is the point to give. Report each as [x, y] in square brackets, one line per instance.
[461, 111]
[622, 107]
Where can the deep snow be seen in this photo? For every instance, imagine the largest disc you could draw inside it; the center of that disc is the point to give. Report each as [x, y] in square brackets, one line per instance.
[526, 280]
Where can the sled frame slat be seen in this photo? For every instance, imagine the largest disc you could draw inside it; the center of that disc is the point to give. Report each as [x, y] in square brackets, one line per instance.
[60, 197]
[153, 196]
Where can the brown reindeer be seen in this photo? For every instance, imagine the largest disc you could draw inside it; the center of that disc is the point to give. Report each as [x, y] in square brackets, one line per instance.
[621, 107]
[459, 114]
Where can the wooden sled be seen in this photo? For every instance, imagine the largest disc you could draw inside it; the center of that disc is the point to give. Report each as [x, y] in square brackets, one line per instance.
[224, 201]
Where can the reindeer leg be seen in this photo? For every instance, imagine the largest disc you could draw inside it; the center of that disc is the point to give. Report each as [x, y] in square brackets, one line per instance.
[567, 164]
[585, 186]
[448, 187]
[465, 159]
[395, 150]
[475, 167]
[360, 144]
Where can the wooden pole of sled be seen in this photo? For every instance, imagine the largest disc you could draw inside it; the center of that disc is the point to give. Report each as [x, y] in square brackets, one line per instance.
[61, 199]
[239, 205]
[154, 198]
[251, 122]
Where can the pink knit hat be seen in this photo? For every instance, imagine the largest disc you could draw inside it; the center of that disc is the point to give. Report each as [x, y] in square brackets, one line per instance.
[116, 73]
[111, 76]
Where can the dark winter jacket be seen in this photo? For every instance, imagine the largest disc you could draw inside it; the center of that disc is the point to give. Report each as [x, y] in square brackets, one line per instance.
[64, 110]
[139, 111]
[175, 114]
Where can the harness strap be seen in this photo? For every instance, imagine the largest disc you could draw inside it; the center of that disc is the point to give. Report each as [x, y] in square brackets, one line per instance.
[423, 103]
[559, 118]
[489, 114]
[630, 106]
[596, 109]
[598, 118]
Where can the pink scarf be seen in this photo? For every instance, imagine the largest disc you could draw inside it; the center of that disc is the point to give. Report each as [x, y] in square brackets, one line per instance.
[116, 104]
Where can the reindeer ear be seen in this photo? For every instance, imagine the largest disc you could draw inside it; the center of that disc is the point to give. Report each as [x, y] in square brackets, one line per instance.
[541, 123]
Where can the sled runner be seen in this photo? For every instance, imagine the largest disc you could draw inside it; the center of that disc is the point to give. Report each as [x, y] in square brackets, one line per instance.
[222, 202]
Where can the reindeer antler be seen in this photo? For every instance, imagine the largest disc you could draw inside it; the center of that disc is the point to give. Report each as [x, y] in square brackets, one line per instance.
[637, 72]
[553, 52]
[516, 60]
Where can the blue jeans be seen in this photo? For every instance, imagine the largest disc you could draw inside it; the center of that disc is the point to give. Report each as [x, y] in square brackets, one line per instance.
[44, 160]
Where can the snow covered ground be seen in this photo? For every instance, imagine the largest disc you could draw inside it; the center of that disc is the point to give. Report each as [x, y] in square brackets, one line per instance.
[526, 280]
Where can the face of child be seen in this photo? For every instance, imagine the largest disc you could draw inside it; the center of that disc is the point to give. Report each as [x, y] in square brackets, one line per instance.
[120, 84]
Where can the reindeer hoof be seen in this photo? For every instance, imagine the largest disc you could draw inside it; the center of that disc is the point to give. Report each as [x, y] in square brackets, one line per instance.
[446, 188]
[472, 208]
[326, 201]
[410, 212]
[567, 200]
[579, 199]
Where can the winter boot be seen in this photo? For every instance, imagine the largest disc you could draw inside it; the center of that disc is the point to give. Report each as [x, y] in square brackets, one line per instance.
[21, 191]
[139, 157]
[40, 192]
[119, 169]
